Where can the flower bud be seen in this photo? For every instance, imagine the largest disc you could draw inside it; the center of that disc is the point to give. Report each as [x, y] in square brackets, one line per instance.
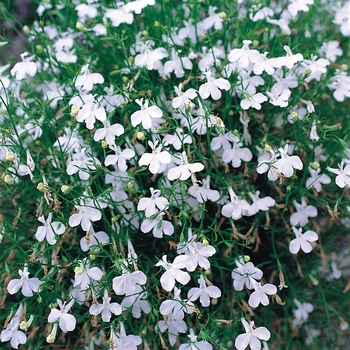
[42, 188]
[74, 111]
[246, 258]
[294, 116]
[64, 188]
[52, 336]
[156, 24]
[205, 242]
[26, 324]
[214, 301]
[80, 26]
[130, 185]
[140, 136]
[267, 148]
[104, 144]
[9, 179]
[223, 15]
[10, 156]
[26, 29]
[343, 68]
[313, 280]
[92, 256]
[125, 79]
[145, 32]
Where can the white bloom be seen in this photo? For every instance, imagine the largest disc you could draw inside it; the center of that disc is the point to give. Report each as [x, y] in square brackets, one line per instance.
[204, 292]
[87, 80]
[67, 322]
[155, 159]
[185, 169]
[213, 86]
[316, 180]
[145, 115]
[120, 157]
[25, 68]
[260, 294]
[49, 229]
[302, 241]
[106, 308]
[251, 337]
[304, 211]
[149, 204]
[28, 285]
[254, 101]
[343, 174]
[235, 208]
[287, 164]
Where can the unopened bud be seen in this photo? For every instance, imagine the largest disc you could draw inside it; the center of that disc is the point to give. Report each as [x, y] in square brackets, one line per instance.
[140, 136]
[130, 185]
[205, 242]
[64, 188]
[125, 79]
[267, 148]
[156, 24]
[10, 156]
[78, 270]
[145, 32]
[74, 110]
[26, 29]
[223, 15]
[80, 26]
[52, 336]
[294, 116]
[308, 71]
[42, 188]
[9, 179]
[104, 144]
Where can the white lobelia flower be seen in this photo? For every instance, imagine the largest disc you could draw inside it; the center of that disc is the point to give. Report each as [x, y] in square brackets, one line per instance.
[204, 292]
[258, 204]
[136, 301]
[173, 272]
[316, 180]
[178, 139]
[121, 341]
[89, 113]
[129, 282]
[254, 101]
[260, 294]
[28, 285]
[177, 65]
[185, 169]
[158, 226]
[120, 157]
[204, 193]
[343, 174]
[251, 337]
[174, 327]
[145, 115]
[67, 322]
[236, 208]
[93, 238]
[304, 211]
[302, 240]
[86, 275]
[301, 314]
[287, 164]
[87, 80]
[289, 60]
[177, 307]
[49, 230]
[183, 98]
[279, 99]
[84, 216]
[108, 132]
[213, 86]
[149, 204]
[245, 274]
[236, 154]
[25, 68]
[81, 163]
[106, 309]
[244, 56]
[155, 159]
[11, 332]
[194, 344]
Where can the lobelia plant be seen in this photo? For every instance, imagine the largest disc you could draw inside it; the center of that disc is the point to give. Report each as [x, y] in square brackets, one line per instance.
[171, 171]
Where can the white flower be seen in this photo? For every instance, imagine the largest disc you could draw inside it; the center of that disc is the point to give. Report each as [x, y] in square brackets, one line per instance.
[213, 86]
[251, 337]
[287, 164]
[262, 204]
[120, 157]
[301, 314]
[145, 115]
[260, 294]
[185, 169]
[136, 301]
[149, 204]
[158, 226]
[121, 341]
[245, 274]
[25, 68]
[93, 238]
[289, 60]
[194, 344]
[304, 211]
[49, 229]
[155, 159]
[173, 272]
[86, 275]
[235, 208]
[81, 164]
[178, 139]
[204, 193]
[177, 65]
[87, 80]
[106, 308]
[84, 217]
[236, 154]
[302, 240]
[204, 293]
[316, 180]
[183, 98]
[174, 327]
[67, 322]
[254, 101]
[244, 56]
[177, 307]
[279, 99]
[108, 132]
[343, 174]
[128, 282]
[28, 285]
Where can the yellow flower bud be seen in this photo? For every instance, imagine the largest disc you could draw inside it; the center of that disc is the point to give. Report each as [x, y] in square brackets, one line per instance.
[64, 188]
[205, 242]
[145, 33]
[246, 258]
[52, 336]
[294, 116]
[104, 144]
[131, 59]
[74, 110]
[267, 148]
[80, 26]
[26, 29]
[157, 24]
[9, 179]
[130, 185]
[214, 301]
[42, 188]
[92, 256]
[125, 79]
[343, 68]
[10, 156]
[223, 15]
[140, 136]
